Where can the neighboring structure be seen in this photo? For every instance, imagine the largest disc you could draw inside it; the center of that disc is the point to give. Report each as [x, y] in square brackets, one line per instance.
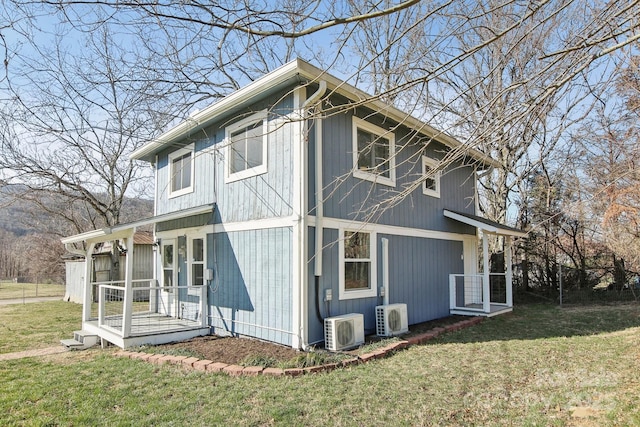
[101, 266]
[273, 213]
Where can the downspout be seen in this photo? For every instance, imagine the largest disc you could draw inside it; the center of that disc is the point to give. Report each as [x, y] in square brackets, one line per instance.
[385, 271]
[317, 267]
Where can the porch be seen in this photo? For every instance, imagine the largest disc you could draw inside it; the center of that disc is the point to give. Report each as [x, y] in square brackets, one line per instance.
[136, 311]
[483, 294]
[156, 315]
[472, 295]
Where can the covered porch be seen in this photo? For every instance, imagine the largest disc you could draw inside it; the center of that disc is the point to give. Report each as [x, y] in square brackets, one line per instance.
[484, 293]
[128, 312]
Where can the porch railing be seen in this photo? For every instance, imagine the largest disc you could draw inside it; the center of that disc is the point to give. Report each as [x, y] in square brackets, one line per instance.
[472, 292]
[150, 309]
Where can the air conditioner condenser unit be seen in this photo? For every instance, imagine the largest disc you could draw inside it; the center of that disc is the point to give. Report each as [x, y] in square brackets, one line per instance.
[344, 332]
[391, 320]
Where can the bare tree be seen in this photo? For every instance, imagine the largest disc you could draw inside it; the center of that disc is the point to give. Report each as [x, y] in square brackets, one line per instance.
[504, 77]
[610, 143]
[76, 111]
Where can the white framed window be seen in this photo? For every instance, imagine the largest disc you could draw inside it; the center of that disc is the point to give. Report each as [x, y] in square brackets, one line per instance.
[196, 261]
[167, 265]
[181, 171]
[373, 153]
[431, 183]
[247, 147]
[357, 266]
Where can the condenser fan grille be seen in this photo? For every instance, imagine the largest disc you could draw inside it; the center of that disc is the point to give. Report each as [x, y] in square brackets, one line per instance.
[345, 333]
[394, 320]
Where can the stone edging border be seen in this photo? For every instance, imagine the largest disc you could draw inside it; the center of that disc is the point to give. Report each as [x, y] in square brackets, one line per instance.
[237, 370]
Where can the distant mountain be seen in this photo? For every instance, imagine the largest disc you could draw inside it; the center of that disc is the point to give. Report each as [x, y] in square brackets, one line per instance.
[21, 217]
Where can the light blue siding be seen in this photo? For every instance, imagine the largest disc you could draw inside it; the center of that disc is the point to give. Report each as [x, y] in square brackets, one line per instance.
[418, 276]
[267, 195]
[251, 293]
[353, 198]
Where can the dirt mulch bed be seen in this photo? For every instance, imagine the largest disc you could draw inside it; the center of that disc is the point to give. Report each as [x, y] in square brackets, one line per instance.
[234, 351]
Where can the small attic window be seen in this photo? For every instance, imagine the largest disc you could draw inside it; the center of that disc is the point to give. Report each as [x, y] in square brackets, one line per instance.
[431, 183]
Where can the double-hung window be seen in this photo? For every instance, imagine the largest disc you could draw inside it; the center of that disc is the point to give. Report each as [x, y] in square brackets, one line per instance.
[181, 171]
[247, 147]
[357, 266]
[197, 251]
[431, 176]
[373, 153]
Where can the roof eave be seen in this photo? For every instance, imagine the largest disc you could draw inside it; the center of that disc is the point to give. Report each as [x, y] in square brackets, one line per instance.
[309, 72]
[202, 118]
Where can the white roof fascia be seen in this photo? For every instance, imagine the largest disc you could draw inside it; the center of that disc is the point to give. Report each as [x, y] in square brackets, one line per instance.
[202, 118]
[124, 230]
[350, 92]
[494, 229]
[89, 235]
[312, 73]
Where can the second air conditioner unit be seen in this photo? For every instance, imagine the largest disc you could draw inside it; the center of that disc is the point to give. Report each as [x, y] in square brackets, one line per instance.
[391, 320]
[344, 332]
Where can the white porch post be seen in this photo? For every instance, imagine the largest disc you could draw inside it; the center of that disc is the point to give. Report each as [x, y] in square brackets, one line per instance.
[128, 287]
[452, 292]
[87, 294]
[486, 296]
[508, 273]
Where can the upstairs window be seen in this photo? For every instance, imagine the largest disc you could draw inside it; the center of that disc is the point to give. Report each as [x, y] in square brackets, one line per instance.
[373, 153]
[431, 184]
[247, 147]
[181, 171]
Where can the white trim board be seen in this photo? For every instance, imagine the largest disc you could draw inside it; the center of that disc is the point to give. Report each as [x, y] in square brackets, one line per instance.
[296, 70]
[336, 223]
[331, 223]
[493, 228]
[104, 234]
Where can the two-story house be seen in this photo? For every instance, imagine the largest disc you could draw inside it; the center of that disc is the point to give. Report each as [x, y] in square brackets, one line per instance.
[296, 199]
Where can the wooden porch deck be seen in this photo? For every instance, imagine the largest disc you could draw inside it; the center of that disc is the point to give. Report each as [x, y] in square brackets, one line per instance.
[146, 328]
[477, 310]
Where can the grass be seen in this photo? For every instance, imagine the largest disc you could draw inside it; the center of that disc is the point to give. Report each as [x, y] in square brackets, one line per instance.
[37, 325]
[10, 290]
[540, 365]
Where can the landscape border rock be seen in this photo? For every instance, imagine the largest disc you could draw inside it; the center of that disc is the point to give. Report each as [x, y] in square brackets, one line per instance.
[237, 370]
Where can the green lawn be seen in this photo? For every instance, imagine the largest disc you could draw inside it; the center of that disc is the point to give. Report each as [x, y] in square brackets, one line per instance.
[10, 290]
[540, 365]
[37, 325]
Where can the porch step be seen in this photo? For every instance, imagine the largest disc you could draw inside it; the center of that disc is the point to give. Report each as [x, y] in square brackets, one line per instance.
[81, 340]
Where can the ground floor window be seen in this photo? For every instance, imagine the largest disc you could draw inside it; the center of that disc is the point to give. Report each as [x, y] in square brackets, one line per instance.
[357, 264]
[197, 262]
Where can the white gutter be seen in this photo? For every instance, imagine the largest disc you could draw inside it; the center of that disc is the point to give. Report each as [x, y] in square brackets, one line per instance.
[317, 268]
[202, 118]
[305, 71]
[121, 230]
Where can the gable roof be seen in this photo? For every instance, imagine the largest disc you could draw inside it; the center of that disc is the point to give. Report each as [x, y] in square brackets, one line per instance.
[297, 70]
